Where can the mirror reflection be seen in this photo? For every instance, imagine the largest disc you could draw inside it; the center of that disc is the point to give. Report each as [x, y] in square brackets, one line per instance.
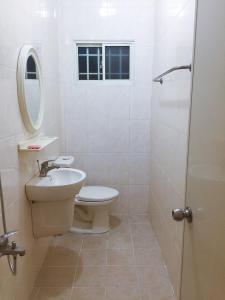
[32, 89]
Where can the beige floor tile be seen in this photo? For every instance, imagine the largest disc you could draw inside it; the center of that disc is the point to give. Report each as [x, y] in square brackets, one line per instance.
[90, 276]
[55, 277]
[140, 218]
[143, 238]
[120, 257]
[154, 278]
[122, 293]
[117, 220]
[95, 242]
[145, 229]
[70, 241]
[148, 256]
[111, 266]
[58, 256]
[123, 276]
[53, 294]
[88, 293]
[120, 240]
[93, 257]
[34, 293]
[156, 294]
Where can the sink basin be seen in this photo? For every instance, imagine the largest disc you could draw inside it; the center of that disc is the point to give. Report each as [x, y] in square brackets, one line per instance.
[59, 184]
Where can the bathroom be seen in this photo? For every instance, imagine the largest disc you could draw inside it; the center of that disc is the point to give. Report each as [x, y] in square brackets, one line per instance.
[128, 101]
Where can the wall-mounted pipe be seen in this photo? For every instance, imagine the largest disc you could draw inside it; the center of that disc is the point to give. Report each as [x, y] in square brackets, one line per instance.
[7, 249]
[160, 77]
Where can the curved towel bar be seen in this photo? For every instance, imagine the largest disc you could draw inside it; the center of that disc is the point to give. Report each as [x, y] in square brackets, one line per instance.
[160, 77]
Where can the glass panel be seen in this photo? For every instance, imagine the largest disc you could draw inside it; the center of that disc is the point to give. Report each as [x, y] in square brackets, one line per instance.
[82, 77]
[93, 77]
[110, 50]
[93, 64]
[125, 64]
[93, 50]
[90, 63]
[82, 64]
[126, 50]
[82, 50]
[117, 62]
[125, 76]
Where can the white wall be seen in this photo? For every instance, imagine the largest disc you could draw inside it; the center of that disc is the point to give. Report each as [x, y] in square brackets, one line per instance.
[174, 28]
[24, 21]
[106, 126]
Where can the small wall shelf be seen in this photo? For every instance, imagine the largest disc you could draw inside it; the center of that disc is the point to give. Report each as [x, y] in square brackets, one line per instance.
[42, 141]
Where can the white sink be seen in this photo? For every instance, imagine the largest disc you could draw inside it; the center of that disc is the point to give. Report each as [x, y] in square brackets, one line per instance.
[59, 184]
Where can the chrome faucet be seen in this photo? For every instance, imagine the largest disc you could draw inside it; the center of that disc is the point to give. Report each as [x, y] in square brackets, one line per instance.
[45, 167]
[6, 248]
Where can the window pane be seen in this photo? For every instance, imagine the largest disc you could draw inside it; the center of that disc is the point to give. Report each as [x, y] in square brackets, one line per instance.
[82, 77]
[125, 76]
[90, 63]
[93, 50]
[110, 50]
[82, 64]
[93, 64]
[126, 50]
[93, 77]
[125, 64]
[82, 50]
[117, 62]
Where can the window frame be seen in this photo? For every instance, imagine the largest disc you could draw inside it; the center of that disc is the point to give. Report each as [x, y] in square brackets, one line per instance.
[104, 44]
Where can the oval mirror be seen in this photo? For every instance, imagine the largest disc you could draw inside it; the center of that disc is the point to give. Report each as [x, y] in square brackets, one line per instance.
[29, 85]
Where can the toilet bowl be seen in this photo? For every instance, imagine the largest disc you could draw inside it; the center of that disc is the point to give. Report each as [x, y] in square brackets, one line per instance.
[91, 204]
[96, 200]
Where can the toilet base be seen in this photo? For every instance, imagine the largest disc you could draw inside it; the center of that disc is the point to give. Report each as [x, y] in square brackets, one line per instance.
[100, 221]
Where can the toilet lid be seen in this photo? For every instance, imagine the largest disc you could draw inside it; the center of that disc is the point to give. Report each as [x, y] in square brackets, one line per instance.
[97, 193]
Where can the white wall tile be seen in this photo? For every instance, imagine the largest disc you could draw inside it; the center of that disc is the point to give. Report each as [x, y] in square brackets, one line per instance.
[76, 136]
[109, 109]
[138, 199]
[140, 136]
[174, 29]
[139, 169]
[21, 23]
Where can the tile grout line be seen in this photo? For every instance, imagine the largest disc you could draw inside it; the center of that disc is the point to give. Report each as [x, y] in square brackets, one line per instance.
[76, 268]
[135, 265]
[36, 294]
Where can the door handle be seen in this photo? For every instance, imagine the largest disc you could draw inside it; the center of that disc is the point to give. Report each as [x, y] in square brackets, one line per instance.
[180, 214]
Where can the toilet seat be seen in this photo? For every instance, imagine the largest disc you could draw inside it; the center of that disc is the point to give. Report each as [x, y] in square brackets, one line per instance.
[96, 195]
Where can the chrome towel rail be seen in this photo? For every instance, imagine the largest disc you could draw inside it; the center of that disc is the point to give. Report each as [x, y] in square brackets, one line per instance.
[160, 77]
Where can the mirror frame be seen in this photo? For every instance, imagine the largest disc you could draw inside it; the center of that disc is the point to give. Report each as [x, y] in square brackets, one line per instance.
[25, 52]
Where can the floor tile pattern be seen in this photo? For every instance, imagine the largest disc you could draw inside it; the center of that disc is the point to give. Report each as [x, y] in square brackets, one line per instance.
[124, 264]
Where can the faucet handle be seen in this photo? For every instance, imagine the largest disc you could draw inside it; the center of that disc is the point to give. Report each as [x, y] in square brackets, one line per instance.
[45, 163]
[4, 237]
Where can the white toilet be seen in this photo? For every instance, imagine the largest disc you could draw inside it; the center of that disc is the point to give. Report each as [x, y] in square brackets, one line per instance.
[91, 204]
[97, 200]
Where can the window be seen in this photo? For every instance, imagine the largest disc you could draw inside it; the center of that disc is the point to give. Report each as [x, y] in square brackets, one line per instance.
[103, 62]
